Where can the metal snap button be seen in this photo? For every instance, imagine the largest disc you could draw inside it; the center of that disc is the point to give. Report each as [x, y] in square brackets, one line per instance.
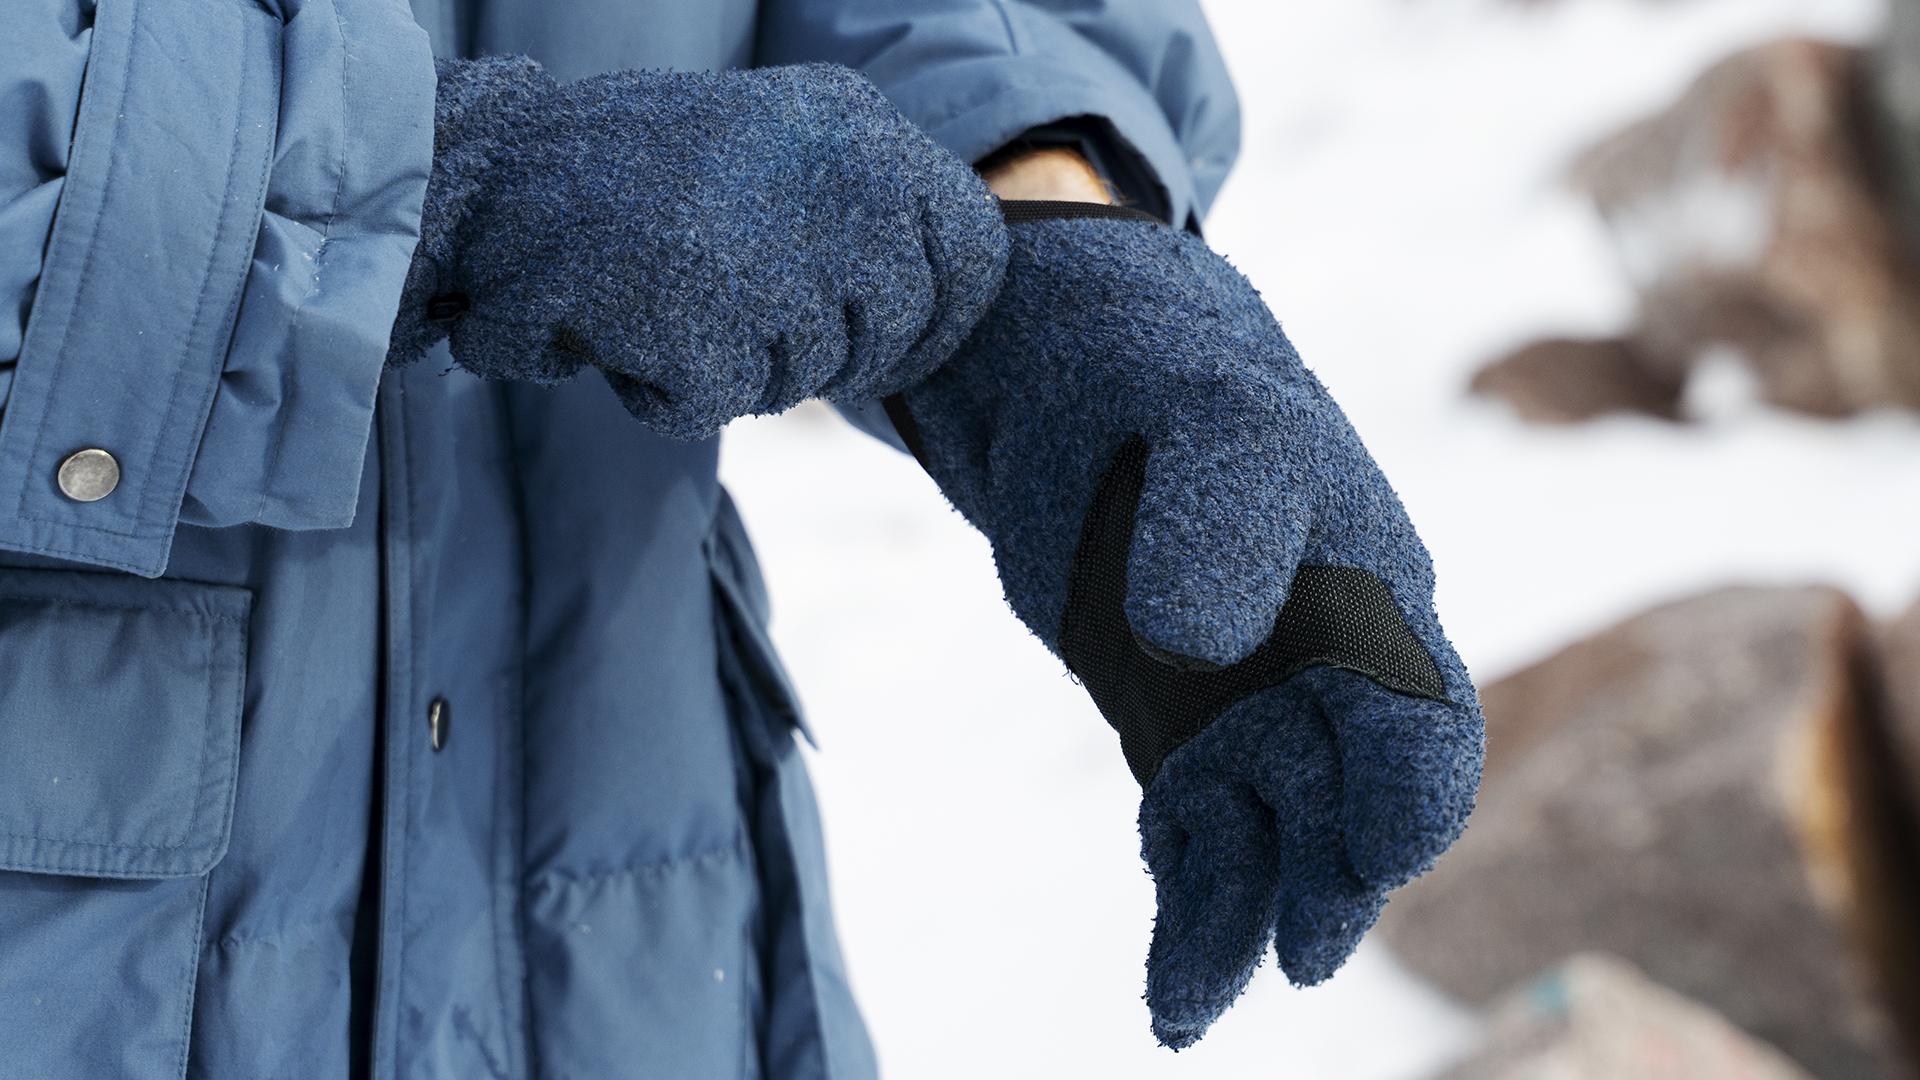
[89, 475]
[439, 721]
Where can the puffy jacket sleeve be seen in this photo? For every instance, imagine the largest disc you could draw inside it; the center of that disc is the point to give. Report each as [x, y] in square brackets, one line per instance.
[208, 207]
[976, 74]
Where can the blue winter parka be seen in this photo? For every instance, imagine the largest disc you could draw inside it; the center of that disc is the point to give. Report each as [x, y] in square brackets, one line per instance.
[400, 725]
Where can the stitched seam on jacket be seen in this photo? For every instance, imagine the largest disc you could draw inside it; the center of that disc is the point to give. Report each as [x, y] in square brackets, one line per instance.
[193, 818]
[729, 610]
[140, 531]
[276, 446]
[509, 695]
[92, 558]
[1084, 98]
[183, 469]
[404, 809]
[190, 977]
[97, 866]
[174, 384]
[93, 247]
[557, 879]
[463, 1026]
[280, 934]
[1006, 23]
[516, 715]
[103, 605]
[995, 92]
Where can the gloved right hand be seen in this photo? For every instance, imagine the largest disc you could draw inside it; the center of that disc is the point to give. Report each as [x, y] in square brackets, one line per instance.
[1181, 512]
[716, 243]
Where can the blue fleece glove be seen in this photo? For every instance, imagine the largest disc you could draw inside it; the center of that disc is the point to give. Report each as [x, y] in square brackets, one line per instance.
[715, 243]
[1181, 513]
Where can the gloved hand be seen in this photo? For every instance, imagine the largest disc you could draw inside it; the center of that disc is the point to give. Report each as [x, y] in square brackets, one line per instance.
[1183, 515]
[717, 244]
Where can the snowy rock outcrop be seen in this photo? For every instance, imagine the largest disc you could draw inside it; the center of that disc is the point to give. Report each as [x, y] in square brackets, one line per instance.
[1708, 791]
[1755, 216]
[1566, 380]
[1597, 1018]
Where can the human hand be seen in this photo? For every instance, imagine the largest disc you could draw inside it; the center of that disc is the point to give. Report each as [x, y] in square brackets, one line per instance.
[1179, 511]
[715, 243]
[1047, 174]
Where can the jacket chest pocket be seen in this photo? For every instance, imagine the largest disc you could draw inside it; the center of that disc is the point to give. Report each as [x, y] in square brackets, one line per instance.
[120, 706]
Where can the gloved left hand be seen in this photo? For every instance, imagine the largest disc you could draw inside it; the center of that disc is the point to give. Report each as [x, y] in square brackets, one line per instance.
[1183, 515]
[715, 243]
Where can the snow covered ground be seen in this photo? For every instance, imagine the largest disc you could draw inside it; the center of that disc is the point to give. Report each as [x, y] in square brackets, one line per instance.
[1398, 203]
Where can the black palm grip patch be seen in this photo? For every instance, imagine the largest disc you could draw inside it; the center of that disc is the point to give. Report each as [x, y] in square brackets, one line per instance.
[1335, 616]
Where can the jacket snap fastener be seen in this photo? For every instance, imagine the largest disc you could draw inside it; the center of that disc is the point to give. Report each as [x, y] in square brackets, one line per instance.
[439, 719]
[89, 475]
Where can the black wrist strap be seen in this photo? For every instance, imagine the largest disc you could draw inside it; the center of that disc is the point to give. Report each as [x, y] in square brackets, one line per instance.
[1021, 211]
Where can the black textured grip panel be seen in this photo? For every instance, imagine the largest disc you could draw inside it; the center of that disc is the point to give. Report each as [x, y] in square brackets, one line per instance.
[1335, 616]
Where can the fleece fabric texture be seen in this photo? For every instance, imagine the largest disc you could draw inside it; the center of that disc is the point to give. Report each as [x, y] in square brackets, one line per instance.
[716, 243]
[1285, 821]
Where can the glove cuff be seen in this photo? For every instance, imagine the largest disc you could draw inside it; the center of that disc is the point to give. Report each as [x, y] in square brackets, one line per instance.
[1022, 211]
[1013, 212]
[480, 109]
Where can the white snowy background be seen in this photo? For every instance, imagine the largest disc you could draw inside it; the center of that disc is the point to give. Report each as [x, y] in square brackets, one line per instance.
[1399, 203]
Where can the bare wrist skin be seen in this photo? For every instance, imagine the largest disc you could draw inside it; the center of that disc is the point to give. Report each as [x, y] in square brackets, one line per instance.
[1052, 172]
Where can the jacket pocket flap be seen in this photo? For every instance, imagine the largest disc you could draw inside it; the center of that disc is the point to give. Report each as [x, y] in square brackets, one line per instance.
[747, 652]
[120, 704]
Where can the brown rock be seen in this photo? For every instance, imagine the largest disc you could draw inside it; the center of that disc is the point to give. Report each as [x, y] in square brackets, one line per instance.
[1751, 214]
[1699, 791]
[1597, 1018]
[1892, 923]
[1565, 380]
[1894, 70]
[1900, 668]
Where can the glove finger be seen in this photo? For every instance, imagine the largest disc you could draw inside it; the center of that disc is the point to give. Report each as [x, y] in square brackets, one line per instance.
[1324, 911]
[498, 348]
[1218, 535]
[1210, 845]
[915, 297]
[1324, 908]
[964, 246]
[1409, 770]
[882, 323]
[685, 388]
[801, 360]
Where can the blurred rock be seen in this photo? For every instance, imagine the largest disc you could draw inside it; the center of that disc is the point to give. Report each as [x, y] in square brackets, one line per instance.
[1565, 380]
[1895, 73]
[1900, 667]
[1752, 214]
[1597, 1018]
[1704, 791]
[1894, 923]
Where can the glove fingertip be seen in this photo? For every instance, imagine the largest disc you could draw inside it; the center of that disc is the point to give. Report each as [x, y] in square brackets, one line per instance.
[1412, 771]
[653, 406]
[1196, 635]
[965, 245]
[1211, 850]
[1209, 571]
[1389, 857]
[1188, 991]
[1177, 1032]
[1313, 946]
